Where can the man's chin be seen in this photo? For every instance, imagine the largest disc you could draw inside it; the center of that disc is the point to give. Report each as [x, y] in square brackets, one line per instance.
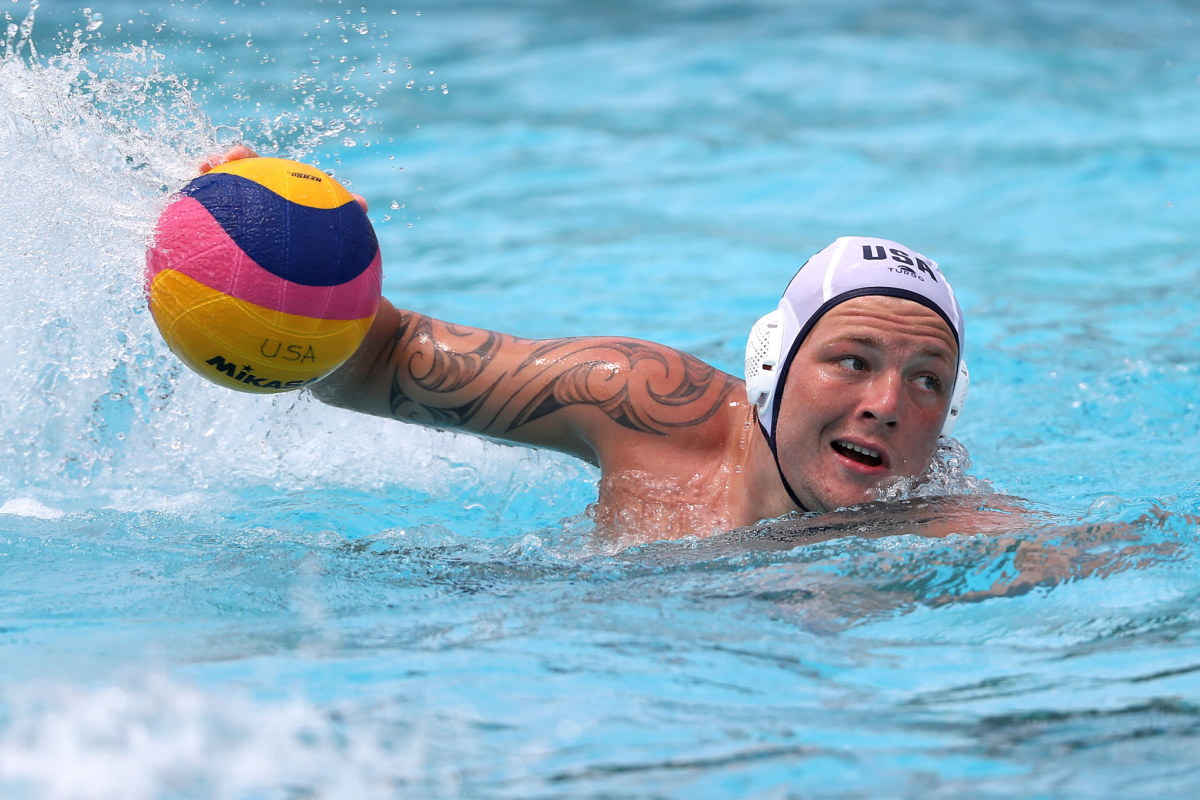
[834, 498]
[834, 486]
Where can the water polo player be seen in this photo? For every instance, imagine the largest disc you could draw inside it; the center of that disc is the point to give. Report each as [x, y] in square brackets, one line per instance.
[850, 383]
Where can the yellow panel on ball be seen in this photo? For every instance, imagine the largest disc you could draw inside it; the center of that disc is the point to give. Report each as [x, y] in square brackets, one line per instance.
[291, 180]
[245, 346]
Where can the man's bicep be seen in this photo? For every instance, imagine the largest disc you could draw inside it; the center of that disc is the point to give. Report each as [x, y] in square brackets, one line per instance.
[620, 397]
[633, 385]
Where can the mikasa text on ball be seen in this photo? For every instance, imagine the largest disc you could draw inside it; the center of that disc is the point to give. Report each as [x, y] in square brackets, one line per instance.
[264, 275]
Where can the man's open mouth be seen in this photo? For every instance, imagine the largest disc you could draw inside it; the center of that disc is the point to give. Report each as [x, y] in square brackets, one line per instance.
[863, 455]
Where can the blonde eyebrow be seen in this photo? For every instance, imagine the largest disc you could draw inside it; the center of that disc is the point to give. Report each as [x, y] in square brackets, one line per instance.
[861, 338]
[870, 340]
[937, 352]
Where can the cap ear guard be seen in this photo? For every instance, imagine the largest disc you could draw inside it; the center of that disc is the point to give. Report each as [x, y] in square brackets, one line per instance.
[763, 353]
[958, 398]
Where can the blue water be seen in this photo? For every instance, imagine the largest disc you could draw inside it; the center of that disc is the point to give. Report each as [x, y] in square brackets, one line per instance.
[210, 595]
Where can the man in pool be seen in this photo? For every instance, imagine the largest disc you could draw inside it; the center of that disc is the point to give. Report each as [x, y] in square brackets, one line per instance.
[849, 386]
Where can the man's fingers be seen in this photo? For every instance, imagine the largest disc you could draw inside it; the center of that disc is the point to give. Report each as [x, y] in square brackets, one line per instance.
[362, 201]
[238, 152]
[232, 154]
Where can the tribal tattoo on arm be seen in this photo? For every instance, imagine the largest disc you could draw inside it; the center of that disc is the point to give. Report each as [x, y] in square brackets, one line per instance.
[439, 371]
[449, 376]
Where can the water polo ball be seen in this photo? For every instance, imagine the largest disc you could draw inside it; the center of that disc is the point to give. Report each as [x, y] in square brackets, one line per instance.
[264, 275]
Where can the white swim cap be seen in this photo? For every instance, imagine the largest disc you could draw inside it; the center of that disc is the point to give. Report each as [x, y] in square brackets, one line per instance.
[853, 266]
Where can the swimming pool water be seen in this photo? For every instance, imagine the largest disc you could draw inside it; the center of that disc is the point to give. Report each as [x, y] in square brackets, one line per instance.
[205, 594]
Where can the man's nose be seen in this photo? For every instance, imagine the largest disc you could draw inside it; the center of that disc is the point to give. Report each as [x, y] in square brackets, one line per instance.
[882, 401]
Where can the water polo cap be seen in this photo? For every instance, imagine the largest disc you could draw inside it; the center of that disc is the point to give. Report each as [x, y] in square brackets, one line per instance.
[853, 266]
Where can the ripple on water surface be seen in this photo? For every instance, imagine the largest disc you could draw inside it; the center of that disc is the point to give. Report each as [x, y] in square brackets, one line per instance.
[205, 594]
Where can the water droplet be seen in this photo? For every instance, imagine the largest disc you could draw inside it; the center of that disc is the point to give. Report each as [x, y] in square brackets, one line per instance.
[410, 224]
[409, 85]
[348, 142]
[315, 59]
[395, 205]
[95, 21]
[445, 91]
[408, 66]
[386, 217]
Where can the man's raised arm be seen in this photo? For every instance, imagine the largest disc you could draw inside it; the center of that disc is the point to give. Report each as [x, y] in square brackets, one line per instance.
[585, 396]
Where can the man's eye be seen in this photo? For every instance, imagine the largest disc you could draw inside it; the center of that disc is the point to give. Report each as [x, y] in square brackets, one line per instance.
[853, 362]
[929, 383]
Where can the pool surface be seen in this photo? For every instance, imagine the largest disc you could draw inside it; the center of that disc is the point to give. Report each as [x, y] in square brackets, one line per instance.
[206, 594]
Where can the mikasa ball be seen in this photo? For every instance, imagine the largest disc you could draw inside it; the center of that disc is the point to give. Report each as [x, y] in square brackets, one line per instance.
[264, 275]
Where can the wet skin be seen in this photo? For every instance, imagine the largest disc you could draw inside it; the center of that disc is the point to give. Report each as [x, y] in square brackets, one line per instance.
[877, 373]
[676, 441]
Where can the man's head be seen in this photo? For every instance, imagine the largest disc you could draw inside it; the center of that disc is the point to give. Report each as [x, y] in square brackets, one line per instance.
[853, 375]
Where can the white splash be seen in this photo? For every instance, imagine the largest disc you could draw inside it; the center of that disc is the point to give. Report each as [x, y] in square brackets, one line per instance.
[947, 474]
[158, 736]
[92, 143]
[28, 507]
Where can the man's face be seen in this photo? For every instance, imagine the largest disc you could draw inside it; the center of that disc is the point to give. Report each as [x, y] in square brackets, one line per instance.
[876, 374]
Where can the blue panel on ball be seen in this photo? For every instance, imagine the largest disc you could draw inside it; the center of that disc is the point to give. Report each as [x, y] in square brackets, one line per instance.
[309, 246]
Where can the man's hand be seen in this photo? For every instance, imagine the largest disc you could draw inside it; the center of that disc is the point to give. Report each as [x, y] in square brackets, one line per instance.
[238, 152]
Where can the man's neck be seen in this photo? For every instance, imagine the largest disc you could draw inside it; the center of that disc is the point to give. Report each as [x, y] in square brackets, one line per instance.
[763, 494]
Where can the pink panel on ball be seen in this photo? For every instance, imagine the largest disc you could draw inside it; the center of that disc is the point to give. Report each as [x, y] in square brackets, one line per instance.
[189, 240]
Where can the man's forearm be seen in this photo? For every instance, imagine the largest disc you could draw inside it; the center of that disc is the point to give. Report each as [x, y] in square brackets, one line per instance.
[349, 385]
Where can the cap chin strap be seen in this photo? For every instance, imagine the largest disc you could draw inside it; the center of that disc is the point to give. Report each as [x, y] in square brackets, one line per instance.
[779, 468]
[764, 352]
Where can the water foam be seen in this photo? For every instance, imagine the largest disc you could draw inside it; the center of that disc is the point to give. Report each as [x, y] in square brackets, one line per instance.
[946, 475]
[93, 141]
[134, 740]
